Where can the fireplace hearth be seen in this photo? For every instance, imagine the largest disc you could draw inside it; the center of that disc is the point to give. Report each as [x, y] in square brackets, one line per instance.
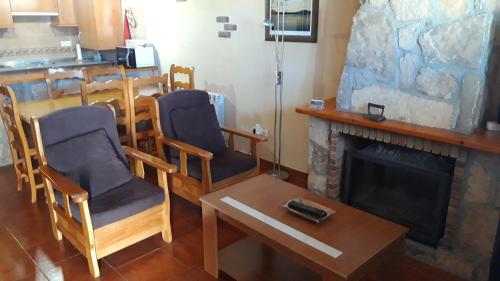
[409, 187]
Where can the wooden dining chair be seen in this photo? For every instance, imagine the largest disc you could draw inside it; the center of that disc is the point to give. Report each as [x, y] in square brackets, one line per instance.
[143, 133]
[54, 79]
[95, 200]
[92, 73]
[116, 94]
[143, 108]
[185, 84]
[188, 135]
[21, 147]
[149, 86]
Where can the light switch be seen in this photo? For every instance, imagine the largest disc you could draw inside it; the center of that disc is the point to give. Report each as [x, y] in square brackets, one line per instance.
[65, 44]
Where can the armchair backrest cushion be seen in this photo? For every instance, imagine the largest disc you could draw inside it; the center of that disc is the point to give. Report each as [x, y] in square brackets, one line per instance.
[188, 116]
[82, 144]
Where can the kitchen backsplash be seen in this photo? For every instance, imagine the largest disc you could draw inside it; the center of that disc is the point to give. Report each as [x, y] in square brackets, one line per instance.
[34, 36]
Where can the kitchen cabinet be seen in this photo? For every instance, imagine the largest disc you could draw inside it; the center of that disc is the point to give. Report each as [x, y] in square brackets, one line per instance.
[101, 23]
[6, 20]
[67, 14]
[34, 6]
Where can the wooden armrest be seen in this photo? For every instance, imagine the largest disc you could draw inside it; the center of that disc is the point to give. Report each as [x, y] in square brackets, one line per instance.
[64, 185]
[189, 149]
[150, 160]
[244, 134]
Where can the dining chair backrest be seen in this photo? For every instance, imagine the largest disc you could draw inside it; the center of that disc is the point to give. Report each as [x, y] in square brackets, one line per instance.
[149, 86]
[116, 94]
[12, 121]
[92, 74]
[185, 84]
[70, 77]
[16, 78]
[18, 142]
[144, 118]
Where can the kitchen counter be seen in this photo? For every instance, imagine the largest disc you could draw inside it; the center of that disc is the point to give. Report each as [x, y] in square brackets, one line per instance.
[15, 66]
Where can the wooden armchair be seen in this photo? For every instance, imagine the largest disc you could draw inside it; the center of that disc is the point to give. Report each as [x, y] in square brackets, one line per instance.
[94, 200]
[189, 136]
[116, 94]
[21, 146]
[177, 84]
[66, 76]
[92, 74]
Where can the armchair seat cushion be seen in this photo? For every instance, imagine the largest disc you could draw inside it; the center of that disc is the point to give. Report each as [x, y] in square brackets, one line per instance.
[222, 166]
[127, 200]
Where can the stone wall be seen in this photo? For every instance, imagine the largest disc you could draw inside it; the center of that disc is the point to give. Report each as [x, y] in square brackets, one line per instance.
[474, 206]
[426, 60]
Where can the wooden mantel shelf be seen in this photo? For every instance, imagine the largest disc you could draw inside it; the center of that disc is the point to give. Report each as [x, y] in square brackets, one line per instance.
[484, 141]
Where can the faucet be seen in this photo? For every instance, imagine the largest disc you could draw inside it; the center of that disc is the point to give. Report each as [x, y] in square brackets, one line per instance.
[78, 48]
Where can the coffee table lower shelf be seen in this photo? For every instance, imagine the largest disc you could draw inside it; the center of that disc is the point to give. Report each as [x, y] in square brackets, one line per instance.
[250, 260]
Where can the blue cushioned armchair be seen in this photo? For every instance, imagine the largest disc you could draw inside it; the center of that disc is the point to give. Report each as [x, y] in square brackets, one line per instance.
[188, 134]
[94, 200]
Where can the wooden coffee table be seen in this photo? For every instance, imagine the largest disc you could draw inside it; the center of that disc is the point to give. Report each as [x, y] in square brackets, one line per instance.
[350, 245]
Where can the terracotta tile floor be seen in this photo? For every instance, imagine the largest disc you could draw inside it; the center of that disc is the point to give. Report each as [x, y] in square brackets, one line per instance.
[28, 251]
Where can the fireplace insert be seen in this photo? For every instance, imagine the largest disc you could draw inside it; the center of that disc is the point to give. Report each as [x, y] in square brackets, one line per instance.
[406, 186]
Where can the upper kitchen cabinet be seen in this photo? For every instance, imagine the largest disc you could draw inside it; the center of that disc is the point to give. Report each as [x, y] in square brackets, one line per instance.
[20, 7]
[67, 14]
[100, 23]
[5, 15]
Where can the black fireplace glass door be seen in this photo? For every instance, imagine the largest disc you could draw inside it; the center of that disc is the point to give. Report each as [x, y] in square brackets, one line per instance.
[400, 192]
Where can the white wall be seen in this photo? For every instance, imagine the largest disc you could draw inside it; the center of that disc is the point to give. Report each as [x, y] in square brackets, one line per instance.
[185, 33]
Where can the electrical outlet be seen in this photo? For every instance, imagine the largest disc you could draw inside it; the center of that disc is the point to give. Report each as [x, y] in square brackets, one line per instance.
[65, 44]
[259, 130]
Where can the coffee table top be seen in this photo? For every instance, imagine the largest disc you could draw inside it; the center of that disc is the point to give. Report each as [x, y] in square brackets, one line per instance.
[359, 236]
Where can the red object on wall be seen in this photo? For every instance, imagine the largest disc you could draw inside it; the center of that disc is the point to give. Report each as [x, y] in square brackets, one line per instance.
[126, 29]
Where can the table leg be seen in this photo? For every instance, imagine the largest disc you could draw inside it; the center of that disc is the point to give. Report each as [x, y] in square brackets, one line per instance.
[210, 255]
[392, 268]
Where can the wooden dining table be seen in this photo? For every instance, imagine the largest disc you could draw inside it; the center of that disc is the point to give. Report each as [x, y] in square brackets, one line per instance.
[39, 108]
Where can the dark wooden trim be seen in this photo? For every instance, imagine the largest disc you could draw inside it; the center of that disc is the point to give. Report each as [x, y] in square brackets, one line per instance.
[300, 39]
[296, 177]
[495, 261]
[481, 140]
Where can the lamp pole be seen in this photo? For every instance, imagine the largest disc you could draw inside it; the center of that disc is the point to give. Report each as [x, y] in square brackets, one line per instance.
[279, 44]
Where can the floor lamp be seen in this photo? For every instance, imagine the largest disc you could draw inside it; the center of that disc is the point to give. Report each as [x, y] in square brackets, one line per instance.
[279, 44]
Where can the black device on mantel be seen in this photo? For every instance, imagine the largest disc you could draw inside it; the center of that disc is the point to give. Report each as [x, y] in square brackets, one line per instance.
[498, 117]
[377, 117]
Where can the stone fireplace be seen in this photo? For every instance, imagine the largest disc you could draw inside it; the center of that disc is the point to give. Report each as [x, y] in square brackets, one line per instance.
[427, 62]
[474, 201]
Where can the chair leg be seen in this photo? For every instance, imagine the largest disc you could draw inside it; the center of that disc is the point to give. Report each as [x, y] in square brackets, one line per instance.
[19, 179]
[88, 234]
[92, 262]
[32, 184]
[30, 176]
[49, 195]
[166, 233]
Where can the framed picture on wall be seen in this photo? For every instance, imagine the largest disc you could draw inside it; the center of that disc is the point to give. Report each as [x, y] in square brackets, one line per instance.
[301, 20]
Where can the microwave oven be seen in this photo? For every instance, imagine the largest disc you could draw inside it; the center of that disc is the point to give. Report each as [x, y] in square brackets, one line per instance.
[136, 56]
